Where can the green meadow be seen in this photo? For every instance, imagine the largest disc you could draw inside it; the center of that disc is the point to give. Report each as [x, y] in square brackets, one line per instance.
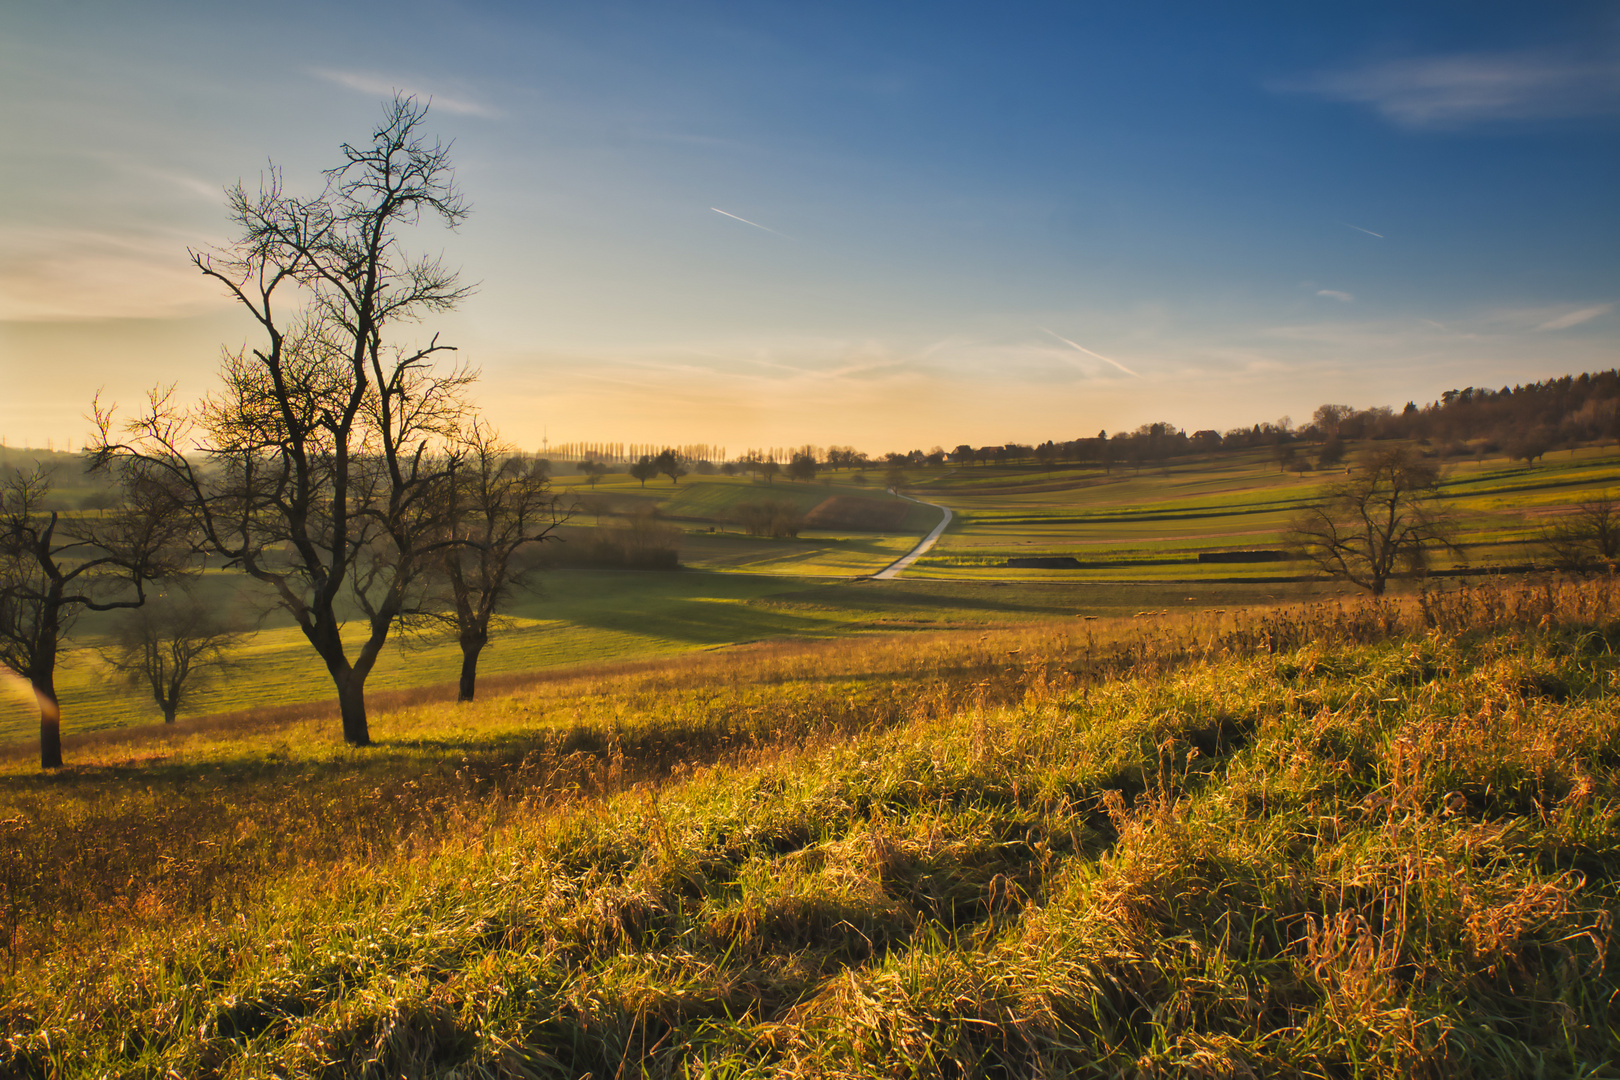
[1138, 532]
[1151, 524]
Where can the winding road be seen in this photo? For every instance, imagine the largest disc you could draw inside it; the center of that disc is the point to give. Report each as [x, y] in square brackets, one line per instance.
[893, 569]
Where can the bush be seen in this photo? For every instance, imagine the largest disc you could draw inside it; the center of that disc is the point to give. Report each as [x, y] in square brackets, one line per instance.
[642, 541]
[769, 518]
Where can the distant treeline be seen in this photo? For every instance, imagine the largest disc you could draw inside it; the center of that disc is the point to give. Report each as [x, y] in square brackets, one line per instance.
[1521, 421]
[613, 453]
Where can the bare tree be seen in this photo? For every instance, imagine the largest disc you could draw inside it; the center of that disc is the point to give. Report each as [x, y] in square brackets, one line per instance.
[594, 505]
[769, 518]
[318, 468]
[1327, 419]
[1589, 537]
[55, 566]
[170, 645]
[498, 504]
[1528, 445]
[1384, 516]
[802, 466]
[672, 465]
[644, 469]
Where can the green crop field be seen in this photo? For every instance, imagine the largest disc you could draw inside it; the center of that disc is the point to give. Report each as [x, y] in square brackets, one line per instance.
[1152, 524]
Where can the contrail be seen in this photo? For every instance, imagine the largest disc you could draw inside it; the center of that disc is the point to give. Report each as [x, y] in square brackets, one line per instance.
[1358, 228]
[755, 224]
[1088, 352]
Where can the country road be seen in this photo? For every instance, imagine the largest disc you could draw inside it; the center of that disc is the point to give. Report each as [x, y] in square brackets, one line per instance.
[894, 568]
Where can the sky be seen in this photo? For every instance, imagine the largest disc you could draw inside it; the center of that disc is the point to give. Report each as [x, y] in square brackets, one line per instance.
[889, 225]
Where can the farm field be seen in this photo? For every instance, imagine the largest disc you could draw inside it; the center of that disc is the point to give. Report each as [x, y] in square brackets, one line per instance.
[1152, 525]
[1353, 839]
[1139, 533]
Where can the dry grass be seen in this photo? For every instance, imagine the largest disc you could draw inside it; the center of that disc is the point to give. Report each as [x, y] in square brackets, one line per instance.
[1350, 840]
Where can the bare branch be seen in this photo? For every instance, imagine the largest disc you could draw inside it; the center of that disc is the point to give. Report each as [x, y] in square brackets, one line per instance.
[1384, 517]
[315, 466]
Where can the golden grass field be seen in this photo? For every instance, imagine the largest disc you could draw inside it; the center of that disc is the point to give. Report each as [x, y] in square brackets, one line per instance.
[1346, 839]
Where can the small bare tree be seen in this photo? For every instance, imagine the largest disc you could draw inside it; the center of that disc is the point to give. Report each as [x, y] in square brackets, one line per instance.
[644, 468]
[802, 466]
[497, 504]
[671, 464]
[1384, 516]
[319, 468]
[1587, 538]
[54, 566]
[170, 645]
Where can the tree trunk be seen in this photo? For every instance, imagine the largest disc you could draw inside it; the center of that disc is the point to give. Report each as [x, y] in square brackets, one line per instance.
[168, 714]
[50, 723]
[352, 703]
[469, 669]
[351, 685]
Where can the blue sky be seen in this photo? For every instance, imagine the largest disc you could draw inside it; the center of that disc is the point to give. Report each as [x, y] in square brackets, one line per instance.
[972, 223]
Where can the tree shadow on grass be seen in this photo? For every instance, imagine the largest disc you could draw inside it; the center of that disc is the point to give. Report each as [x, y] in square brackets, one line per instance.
[698, 620]
[897, 598]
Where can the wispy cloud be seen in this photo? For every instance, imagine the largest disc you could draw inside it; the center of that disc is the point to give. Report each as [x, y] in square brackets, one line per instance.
[1335, 294]
[53, 275]
[378, 86]
[1452, 91]
[1358, 228]
[745, 221]
[1576, 317]
[1088, 352]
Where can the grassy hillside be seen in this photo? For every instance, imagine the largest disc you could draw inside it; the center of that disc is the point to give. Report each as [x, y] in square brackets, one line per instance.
[1350, 840]
[1139, 533]
[716, 498]
[588, 617]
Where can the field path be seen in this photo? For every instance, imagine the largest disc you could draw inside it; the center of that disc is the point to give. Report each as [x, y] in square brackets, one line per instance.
[894, 568]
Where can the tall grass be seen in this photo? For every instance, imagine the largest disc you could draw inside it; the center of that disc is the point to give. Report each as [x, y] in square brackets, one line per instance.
[1356, 839]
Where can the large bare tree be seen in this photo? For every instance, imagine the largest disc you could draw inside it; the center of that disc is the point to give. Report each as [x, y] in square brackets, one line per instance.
[55, 565]
[1384, 516]
[319, 468]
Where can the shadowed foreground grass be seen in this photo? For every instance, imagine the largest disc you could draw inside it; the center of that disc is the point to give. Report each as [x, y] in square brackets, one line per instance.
[1363, 840]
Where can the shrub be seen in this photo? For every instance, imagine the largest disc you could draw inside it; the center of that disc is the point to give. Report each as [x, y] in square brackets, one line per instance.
[770, 518]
